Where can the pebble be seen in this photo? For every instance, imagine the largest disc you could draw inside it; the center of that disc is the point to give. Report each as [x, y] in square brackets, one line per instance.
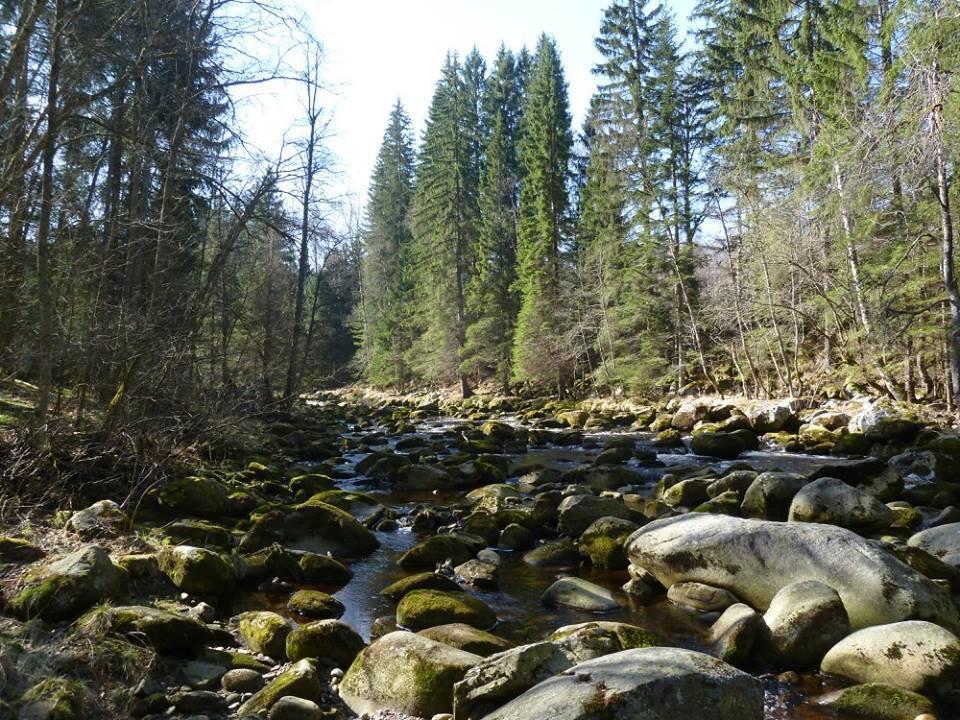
[294, 708]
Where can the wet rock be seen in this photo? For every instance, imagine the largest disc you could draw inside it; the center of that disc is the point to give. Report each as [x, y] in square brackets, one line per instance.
[727, 503]
[602, 477]
[579, 594]
[655, 683]
[829, 500]
[557, 554]
[330, 641]
[271, 562]
[885, 486]
[735, 633]
[478, 573]
[502, 677]
[166, 631]
[316, 568]
[577, 512]
[493, 498]
[315, 604]
[942, 542]
[687, 493]
[876, 701]
[67, 587]
[702, 597]
[191, 702]
[102, 519]
[603, 542]
[770, 494]
[424, 478]
[668, 438]
[242, 680]
[197, 570]
[436, 549]
[420, 581]
[914, 655]
[294, 708]
[421, 609]
[754, 559]
[312, 526]
[308, 485]
[407, 673]
[468, 638]
[265, 632]
[515, 537]
[805, 619]
[202, 497]
[299, 680]
[723, 444]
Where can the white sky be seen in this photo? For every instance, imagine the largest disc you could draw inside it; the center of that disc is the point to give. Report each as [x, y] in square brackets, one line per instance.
[379, 50]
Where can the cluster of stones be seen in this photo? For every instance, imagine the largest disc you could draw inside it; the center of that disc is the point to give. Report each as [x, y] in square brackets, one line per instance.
[849, 570]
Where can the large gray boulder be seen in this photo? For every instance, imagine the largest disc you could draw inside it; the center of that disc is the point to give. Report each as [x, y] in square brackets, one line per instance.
[406, 673]
[754, 559]
[580, 594]
[942, 542]
[770, 494]
[645, 684]
[829, 500]
[804, 620]
[913, 655]
[502, 677]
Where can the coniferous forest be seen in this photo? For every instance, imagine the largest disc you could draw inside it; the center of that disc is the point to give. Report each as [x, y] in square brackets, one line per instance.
[641, 410]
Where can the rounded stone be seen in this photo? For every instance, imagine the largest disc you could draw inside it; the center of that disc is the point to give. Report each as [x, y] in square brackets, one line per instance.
[242, 680]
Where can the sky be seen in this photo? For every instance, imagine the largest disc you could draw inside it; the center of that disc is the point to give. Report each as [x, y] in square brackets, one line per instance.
[376, 51]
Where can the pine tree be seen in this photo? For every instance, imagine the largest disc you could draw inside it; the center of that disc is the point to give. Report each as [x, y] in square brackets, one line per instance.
[446, 222]
[491, 295]
[386, 277]
[540, 350]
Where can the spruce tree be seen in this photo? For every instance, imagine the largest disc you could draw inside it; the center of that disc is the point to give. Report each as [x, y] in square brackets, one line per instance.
[492, 295]
[446, 222]
[540, 351]
[386, 291]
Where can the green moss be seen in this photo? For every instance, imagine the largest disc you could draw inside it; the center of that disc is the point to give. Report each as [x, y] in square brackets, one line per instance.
[299, 680]
[265, 632]
[60, 698]
[315, 604]
[879, 702]
[427, 608]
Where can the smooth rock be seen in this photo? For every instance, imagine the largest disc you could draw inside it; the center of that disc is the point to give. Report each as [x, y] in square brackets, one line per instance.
[702, 597]
[805, 619]
[754, 559]
[467, 638]
[580, 594]
[330, 641]
[421, 609]
[829, 500]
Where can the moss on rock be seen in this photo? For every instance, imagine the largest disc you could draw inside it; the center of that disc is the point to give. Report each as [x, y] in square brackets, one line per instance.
[421, 609]
[197, 570]
[265, 632]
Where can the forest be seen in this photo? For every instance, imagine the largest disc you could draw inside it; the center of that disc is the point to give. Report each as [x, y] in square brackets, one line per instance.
[651, 414]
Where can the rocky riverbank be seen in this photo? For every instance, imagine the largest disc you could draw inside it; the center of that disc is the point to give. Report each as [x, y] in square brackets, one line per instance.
[517, 559]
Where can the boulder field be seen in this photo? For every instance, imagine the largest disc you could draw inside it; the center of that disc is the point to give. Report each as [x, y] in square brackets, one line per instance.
[508, 559]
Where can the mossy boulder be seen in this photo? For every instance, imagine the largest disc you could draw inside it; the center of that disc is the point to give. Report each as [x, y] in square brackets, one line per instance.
[556, 553]
[274, 561]
[492, 498]
[421, 581]
[71, 585]
[589, 640]
[406, 673]
[577, 512]
[197, 570]
[18, 550]
[315, 604]
[433, 550]
[421, 609]
[316, 568]
[363, 507]
[198, 496]
[196, 532]
[727, 445]
[603, 542]
[876, 701]
[308, 485]
[312, 526]
[102, 519]
[330, 641]
[167, 632]
[300, 680]
[265, 632]
[54, 698]
[423, 478]
[770, 495]
[468, 638]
